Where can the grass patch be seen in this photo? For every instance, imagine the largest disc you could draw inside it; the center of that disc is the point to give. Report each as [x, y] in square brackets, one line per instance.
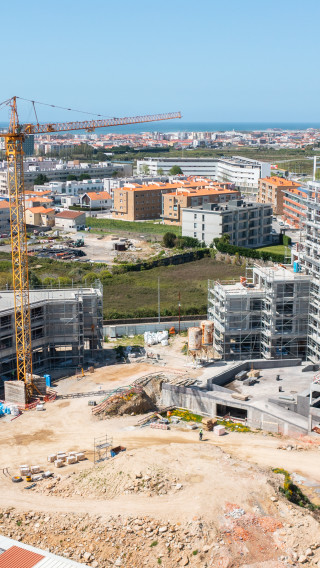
[186, 415]
[124, 341]
[195, 552]
[293, 493]
[278, 249]
[233, 426]
[154, 543]
[141, 227]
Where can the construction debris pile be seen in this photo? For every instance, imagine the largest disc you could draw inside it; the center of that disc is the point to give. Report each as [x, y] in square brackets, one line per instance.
[129, 400]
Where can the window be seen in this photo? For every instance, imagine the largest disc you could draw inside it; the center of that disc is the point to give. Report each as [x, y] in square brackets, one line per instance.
[194, 225]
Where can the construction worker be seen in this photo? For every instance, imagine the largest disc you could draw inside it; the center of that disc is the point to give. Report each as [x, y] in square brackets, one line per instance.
[200, 435]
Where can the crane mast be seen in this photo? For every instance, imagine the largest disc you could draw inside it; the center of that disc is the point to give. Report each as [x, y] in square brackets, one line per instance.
[20, 276]
[14, 152]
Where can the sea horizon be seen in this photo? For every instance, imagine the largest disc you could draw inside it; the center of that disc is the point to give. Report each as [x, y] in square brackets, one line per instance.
[179, 126]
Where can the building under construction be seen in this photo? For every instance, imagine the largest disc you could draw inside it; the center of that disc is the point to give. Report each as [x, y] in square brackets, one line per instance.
[66, 329]
[265, 315]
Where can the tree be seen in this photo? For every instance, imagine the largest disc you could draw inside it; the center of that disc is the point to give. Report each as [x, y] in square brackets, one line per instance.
[160, 172]
[84, 176]
[169, 240]
[145, 169]
[41, 179]
[72, 177]
[175, 171]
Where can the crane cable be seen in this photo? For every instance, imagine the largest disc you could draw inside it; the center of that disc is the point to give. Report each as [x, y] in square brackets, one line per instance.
[61, 107]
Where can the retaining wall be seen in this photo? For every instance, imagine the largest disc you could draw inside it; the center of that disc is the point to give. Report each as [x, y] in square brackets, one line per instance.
[205, 402]
[140, 328]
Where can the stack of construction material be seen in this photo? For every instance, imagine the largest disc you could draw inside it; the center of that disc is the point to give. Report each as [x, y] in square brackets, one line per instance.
[35, 469]
[208, 424]
[80, 456]
[219, 430]
[151, 338]
[52, 458]
[25, 470]
[59, 463]
[71, 459]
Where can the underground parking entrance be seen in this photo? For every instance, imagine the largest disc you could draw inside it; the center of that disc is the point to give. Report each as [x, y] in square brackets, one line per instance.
[224, 410]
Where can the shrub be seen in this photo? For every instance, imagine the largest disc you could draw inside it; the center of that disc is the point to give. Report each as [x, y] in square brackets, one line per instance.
[169, 240]
[226, 248]
[90, 277]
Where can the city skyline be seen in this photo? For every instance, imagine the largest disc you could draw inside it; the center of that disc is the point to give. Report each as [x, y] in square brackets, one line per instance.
[220, 63]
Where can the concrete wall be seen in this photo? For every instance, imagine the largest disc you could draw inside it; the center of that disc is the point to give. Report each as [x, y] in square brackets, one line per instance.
[204, 402]
[140, 328]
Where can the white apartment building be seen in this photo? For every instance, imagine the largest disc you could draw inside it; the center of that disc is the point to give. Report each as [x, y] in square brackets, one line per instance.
[247, 224]
[244, 173]
[58, 170]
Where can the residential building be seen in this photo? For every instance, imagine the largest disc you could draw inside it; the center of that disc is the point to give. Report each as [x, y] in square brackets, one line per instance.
[272, 191]
[309, 256]
[70, 220]
[137, 202]
[214, 192]
[93, 200]
[40, 216]
[17, 554]
[39, 201]
[265, 315]
[247, 224]
[66, 328]
[244, 173]
[57, 170]
[294, 206]
[4, 217]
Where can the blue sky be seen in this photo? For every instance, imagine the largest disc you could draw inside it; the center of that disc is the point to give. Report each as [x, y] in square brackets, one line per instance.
[215, 60]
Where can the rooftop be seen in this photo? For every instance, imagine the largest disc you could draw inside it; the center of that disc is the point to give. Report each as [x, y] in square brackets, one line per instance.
[14, 554]
[40, 209]
[279, 181]
[69, 214]
[36, 296]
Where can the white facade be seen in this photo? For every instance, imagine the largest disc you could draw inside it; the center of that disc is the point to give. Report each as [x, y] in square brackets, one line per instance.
[243, 172]
[67, 221]
[247, 224]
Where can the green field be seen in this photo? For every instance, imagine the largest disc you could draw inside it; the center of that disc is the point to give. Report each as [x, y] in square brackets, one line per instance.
[140, 227]
[135, 294]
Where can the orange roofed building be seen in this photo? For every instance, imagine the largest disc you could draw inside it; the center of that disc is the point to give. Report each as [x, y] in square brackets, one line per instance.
[136, 202]
[173, 203]
[272, 191]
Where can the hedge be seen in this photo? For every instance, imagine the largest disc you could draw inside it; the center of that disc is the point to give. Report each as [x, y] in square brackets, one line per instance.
[166, 261]
[249, 253]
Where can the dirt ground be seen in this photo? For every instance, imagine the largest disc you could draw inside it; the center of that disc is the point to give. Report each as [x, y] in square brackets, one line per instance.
[100, 248]
[167, 482]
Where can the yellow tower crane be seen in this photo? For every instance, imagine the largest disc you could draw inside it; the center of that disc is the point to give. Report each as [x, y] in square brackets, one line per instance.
[14, 139]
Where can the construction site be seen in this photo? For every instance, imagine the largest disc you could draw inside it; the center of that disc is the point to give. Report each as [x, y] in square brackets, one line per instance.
[164, 449]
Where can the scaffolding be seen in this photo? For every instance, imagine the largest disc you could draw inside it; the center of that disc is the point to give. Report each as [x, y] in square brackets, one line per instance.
[66, 328]
[262, 316]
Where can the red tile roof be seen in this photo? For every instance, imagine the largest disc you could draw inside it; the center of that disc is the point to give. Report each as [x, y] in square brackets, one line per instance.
[69, 214]
[16, 557]
[40, 209]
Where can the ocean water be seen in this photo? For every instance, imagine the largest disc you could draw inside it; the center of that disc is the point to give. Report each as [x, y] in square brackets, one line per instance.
[180, 126]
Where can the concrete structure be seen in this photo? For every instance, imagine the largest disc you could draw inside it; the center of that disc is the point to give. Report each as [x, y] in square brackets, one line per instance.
[265, 408]
[247, 224]
[271, 191]
[94, 200]
[70, 220]
[263, 315]
[4, 217]
[244, 173]
[28, 145]
[66, 328]
[40, 216]
[17, 554]
[173, 203]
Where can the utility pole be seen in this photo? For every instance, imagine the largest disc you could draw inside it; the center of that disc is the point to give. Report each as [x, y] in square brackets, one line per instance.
[179, 305]
[159, 299]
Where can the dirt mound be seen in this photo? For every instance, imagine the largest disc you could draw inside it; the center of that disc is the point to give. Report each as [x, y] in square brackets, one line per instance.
[133, 403]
